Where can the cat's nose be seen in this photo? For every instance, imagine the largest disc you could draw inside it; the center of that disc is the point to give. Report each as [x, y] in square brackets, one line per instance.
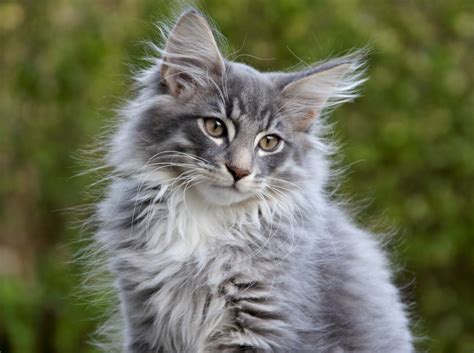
[237, 173]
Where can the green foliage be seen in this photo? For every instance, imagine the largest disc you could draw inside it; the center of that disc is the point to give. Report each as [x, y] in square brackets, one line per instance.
[408, 139]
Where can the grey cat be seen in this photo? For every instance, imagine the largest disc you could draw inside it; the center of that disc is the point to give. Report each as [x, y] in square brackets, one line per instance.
[217, 224]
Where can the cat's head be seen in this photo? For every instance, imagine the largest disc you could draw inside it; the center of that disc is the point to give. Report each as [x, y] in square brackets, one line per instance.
[223, 129]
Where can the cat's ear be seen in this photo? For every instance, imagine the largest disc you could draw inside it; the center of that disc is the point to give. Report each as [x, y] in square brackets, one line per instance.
[306, 94]
[191, 56]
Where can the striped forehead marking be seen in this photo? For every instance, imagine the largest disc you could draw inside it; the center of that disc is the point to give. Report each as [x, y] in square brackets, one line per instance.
[235, 112]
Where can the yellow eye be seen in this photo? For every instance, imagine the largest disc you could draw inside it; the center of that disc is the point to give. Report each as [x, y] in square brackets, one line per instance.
[214, 127]
[269, 143]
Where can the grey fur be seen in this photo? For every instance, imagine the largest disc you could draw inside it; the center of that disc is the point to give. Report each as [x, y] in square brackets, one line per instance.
[266, 264]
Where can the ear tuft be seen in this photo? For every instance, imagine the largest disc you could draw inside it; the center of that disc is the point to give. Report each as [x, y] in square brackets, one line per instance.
[306, 94]
[191, 56]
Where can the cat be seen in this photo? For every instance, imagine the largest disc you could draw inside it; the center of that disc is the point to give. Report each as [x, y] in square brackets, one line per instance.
[217, 224]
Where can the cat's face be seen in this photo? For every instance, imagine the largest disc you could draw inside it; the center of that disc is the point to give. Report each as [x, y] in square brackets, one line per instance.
[232, 141]
[223, 129]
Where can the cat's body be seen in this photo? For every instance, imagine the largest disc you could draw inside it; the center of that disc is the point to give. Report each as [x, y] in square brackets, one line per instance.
[222, 244]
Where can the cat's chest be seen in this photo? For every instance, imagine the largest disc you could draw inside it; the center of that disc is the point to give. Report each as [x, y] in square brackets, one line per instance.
[200, 247]
[193, 265]
[189, 231]
[193, 253]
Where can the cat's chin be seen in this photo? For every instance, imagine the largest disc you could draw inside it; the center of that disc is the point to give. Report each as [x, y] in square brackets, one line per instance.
[223, 195]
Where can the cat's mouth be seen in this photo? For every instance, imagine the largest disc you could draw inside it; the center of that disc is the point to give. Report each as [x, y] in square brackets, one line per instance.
[232, 187]
[222, 194]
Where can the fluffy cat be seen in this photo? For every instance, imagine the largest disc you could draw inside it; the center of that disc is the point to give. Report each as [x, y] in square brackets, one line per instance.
[216, 224]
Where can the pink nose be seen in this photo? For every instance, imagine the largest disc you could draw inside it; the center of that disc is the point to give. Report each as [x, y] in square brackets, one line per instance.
[237, 173]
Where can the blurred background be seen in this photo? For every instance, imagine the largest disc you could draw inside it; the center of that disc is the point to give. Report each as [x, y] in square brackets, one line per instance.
[409, 141]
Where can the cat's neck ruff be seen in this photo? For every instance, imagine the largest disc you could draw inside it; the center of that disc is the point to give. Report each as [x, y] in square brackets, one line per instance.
[182, 224]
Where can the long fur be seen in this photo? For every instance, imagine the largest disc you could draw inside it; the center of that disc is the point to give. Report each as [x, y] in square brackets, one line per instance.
[277, 266]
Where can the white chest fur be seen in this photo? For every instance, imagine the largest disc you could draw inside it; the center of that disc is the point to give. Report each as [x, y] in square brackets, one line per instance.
[184, 226]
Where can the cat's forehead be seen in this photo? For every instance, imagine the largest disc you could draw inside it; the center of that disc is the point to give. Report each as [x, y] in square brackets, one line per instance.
[250, 95]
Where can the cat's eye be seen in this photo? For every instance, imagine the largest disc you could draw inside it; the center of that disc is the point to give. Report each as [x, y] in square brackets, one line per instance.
[214, 127]
[269, 143]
